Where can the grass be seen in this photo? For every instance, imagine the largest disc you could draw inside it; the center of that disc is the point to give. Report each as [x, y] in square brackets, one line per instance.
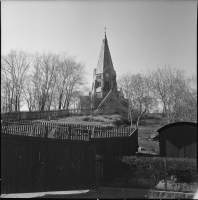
[146, 127]
[143, 133]
[112, 120]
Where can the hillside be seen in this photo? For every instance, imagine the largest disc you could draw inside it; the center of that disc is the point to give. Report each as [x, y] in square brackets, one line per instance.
[105, 120]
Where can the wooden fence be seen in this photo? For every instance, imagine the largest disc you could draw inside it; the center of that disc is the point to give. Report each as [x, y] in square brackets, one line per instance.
[63, 130]
[109, 149]
[44, 156]
[32, 115]
[30, 164]
[46, 114]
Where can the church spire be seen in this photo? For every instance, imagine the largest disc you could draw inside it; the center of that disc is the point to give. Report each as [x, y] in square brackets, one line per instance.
[105, 33]
[105, 61]
[105, 39]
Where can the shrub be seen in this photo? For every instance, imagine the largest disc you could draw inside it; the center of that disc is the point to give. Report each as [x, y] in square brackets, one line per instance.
[161, 168]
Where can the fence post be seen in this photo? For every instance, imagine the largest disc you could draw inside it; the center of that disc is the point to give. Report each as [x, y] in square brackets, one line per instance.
[70, 132]
[46, 157]
[93, 135]
[89, 132]
[165, 181]
[46, 132]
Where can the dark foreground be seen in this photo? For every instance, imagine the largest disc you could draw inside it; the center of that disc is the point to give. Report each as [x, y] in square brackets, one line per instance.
[102, 193]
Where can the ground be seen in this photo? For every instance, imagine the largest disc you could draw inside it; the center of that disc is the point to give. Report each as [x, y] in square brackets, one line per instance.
[106, 120]
[102, 193]
[143, 133]
[146, 127]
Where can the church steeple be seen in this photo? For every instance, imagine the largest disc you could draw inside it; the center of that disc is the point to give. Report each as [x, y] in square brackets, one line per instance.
[105, 35]
[104, 76]
[105, 62]
[104, 95]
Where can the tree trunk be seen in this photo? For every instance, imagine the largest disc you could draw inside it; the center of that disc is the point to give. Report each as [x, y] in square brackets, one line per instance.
[60, 102]
[10, 103]
[131, 118]
[16, 103]
[43, 106]
[140, 116]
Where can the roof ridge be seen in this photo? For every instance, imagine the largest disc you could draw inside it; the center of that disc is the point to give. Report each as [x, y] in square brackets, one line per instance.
[105, 98]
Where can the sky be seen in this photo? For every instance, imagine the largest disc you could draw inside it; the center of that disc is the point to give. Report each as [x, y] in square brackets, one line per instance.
[141, 34]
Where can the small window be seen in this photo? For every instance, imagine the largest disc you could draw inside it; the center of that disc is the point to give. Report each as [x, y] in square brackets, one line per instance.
[107, 83]
[98, 76]
[98, 84]
[98, 94]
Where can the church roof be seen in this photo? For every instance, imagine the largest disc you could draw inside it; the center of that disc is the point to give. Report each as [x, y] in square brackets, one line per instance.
[105, 61]
[111, 95]
[120, 93]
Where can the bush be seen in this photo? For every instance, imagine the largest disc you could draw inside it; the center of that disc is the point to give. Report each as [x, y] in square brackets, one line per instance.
[161, 168]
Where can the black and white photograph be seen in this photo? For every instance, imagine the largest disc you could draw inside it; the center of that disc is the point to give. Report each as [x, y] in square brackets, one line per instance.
[99, 99]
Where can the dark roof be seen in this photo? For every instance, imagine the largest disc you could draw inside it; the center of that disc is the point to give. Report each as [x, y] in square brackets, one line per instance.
[176, 124]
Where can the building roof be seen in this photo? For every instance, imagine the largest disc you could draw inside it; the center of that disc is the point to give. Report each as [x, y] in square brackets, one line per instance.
[176, 124]
[105, 62]
[111, 95]
[120, 93]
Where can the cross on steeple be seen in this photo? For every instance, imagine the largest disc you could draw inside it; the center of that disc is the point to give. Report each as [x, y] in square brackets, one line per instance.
[105, 33]
[105, 30]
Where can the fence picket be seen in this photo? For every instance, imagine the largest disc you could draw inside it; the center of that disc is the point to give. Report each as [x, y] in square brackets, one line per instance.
[64, 130]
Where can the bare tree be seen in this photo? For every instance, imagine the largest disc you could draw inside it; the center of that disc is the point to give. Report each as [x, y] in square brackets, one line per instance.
[64, 71]
[137, 90]
[172, 88]
[14, 69]
[44, 78]
[70, 78]
[29, 93]
[185, 104]
[162, 83]
[125, 82]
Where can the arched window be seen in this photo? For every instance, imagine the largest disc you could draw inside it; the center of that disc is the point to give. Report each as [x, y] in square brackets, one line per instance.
[98, 84]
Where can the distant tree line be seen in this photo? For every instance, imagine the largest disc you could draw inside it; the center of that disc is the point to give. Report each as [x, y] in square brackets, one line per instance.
[55, 81]
[167, 86]
[42, 81]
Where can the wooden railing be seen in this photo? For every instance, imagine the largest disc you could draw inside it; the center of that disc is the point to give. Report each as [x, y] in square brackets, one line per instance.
[63, 131]
[49, 114]
[32, 115]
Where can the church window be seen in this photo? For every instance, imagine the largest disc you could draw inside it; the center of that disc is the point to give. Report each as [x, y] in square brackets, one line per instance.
[98, 84]
[98, 76]
[98, 94]
[107, 83]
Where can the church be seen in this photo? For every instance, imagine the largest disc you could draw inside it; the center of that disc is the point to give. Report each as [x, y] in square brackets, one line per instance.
[104, 97]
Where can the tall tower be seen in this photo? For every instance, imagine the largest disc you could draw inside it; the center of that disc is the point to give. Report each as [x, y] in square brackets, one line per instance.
[104, 76]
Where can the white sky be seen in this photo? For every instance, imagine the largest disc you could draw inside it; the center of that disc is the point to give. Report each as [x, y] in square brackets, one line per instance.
[141, 34]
